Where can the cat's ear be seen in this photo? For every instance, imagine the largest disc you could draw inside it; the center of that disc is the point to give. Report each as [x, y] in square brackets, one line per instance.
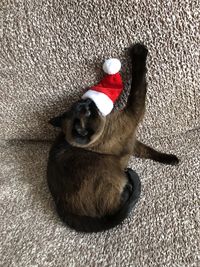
[57, 121]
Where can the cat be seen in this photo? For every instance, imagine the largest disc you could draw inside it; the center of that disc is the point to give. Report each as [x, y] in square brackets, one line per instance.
[87, 170]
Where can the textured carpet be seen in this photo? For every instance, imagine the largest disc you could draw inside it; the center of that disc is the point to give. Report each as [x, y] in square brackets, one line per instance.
[51, 50]
[162, 231]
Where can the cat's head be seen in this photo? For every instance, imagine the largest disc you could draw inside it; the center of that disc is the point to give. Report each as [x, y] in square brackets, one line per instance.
[82, 125]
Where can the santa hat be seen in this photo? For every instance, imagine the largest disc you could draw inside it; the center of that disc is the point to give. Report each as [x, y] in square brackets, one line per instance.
[105, 93]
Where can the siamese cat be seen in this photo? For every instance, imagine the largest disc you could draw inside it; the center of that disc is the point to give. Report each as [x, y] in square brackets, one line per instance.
[87, 170]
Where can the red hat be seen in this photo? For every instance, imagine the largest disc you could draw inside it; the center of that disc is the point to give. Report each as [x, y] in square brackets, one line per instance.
[105, 93]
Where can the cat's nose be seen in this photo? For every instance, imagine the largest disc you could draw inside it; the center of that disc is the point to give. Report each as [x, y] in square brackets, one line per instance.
[87, 113]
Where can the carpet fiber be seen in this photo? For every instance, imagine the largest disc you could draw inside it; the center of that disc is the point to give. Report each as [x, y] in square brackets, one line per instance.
[161, 231]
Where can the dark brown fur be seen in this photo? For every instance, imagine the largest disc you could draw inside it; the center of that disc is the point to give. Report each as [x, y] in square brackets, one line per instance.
[87, 173]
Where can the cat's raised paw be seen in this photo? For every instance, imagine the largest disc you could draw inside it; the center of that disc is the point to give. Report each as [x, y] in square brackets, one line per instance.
[138, 51]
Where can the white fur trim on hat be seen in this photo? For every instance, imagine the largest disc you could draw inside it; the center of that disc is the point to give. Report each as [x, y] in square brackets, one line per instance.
[102, 101]
[112, 66]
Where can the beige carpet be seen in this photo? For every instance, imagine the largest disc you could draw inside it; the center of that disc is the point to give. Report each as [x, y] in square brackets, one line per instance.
[49, 52]
[162, 231]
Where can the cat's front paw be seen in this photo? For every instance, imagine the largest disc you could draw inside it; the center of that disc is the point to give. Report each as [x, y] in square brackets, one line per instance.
[139, 52]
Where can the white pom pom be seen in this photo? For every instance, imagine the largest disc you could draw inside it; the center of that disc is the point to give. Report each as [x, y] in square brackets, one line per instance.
[112, 66]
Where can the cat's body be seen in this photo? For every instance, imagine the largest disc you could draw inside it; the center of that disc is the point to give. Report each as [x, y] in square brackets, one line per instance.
[87, 169]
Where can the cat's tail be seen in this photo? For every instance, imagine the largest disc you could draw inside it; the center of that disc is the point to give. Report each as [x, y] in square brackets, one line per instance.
[97, 224]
